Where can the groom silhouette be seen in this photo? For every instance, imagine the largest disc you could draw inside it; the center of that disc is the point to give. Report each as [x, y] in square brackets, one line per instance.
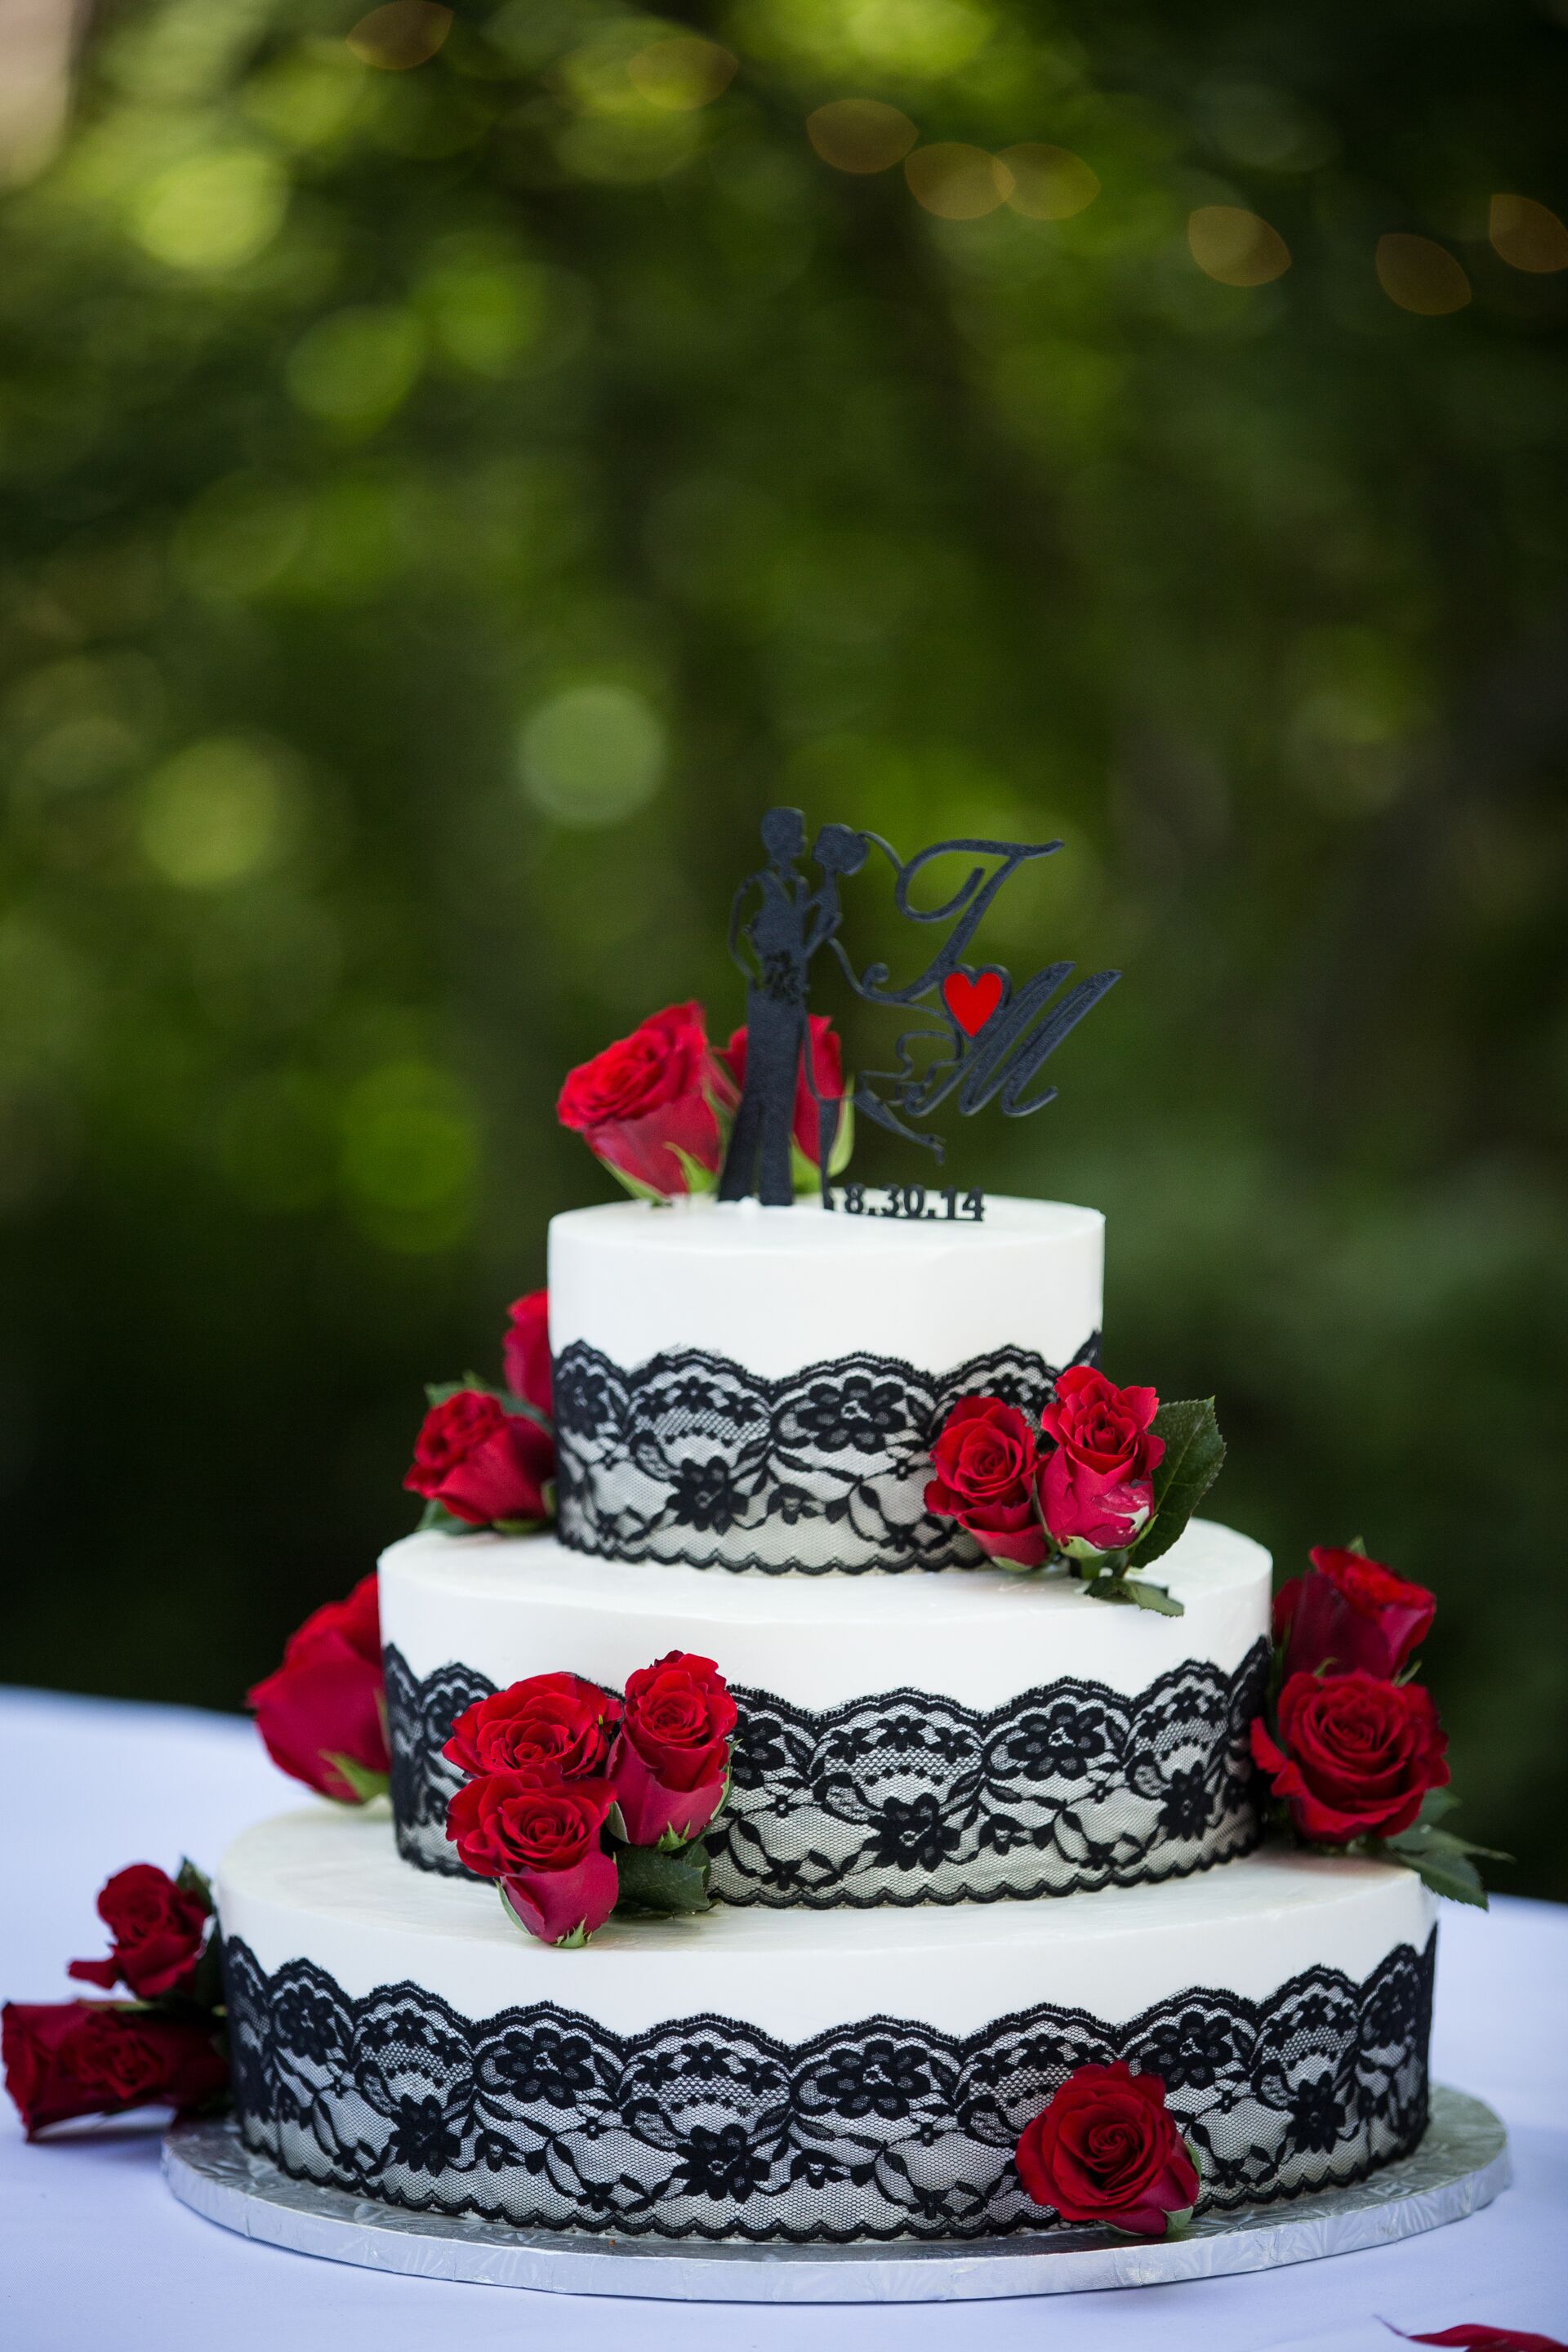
[774, 945]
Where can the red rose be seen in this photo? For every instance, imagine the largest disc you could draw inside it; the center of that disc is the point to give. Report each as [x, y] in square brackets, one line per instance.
[1348, 1611]
[826, 1072]
[325, 1702]
[1106, 2148]
[483, 1463]
[655, 1105]
[545, 1844]
[1095, 1489]
[525, 1351]
[985, 1460]
[671, 1764]
[91, 2058]
[1355, 1756]
[557, 1726]
[157, 1931]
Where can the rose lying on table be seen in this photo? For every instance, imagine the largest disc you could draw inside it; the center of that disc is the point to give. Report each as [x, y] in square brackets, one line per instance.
[1352, 1746]
[1104, 1486]
[581, 1804]
[164, 2049]
[1105, 2149]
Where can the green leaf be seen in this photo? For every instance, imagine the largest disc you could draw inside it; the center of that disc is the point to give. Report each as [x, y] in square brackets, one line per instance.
[518, 1527]
[635, 1186]
[365, 1785]
[844, 1142]
[698, 1177]
[1454, 1876]
[1155, 1597]
[192, 1881]
[655, 1886]
[437, 1517]
[1131, 1593]
[520, 1409]
[206, 1988]
[1194, 1453]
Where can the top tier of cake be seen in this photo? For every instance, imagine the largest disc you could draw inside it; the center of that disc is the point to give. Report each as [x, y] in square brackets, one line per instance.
[758, 1388]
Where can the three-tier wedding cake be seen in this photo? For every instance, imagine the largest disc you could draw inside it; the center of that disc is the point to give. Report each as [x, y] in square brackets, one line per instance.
[978, 1833]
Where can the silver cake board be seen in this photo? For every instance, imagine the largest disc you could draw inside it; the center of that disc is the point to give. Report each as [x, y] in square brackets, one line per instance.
[1461, 2166]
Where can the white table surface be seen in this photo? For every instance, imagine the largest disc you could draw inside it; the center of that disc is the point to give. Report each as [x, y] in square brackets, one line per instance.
[94, 2252]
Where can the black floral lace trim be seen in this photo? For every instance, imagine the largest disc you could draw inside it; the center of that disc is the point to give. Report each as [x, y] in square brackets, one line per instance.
[904, 1798]
[690, 1457]
[708, 2128]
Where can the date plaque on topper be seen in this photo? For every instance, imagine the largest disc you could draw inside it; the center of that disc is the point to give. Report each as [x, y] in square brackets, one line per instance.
[972, 1035]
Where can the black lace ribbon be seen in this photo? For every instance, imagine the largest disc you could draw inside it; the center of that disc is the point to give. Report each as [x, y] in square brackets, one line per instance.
[706, 2127]
[691, 1457]
[905, 1798]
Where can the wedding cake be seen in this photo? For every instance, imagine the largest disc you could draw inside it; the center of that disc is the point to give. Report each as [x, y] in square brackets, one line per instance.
[959, 1836]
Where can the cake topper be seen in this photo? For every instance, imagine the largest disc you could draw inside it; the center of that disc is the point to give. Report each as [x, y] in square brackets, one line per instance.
[974, 1035]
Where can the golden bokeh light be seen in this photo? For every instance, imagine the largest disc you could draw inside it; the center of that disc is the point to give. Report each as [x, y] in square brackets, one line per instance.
[1048, 183]
[1420, 276]
[955, 182]
[404, 33]
[1528, 235]
[682, 73]
[1235, 246]
[860, 134]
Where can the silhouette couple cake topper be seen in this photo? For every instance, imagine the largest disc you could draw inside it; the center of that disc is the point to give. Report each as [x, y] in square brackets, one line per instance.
[974, 1035]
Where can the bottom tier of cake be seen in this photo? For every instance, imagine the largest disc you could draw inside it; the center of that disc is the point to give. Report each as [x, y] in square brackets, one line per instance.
[805, 2075]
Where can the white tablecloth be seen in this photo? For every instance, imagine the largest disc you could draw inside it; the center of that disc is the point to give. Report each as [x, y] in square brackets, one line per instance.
[95, 2252]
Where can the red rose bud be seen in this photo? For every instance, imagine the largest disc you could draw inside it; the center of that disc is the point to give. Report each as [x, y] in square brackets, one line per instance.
[72, 2058]
[1095, 1490]
[1355, 1756]
[986, 1459]
[525, 1351]
[1348, 1612]
[156, 1928]
[650, 1809]
[826, 1075]
[556, 1727]
[545, 1844]
[326, 1700]
[678, 1717]
[1106, 2148]
[655, 1107]
[481, 1463]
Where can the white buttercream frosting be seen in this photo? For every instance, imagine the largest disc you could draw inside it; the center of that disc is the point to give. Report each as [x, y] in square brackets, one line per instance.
[777, 1289]
[510, 1606]
[326, 1885]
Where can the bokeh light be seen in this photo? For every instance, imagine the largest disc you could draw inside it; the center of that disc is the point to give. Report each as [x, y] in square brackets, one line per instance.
[956, 182]
[1421, 276]
[682, 72]
[212, 212]
[402, 34]
[1047, 183]
[213, 815]
[593, 755]
[1527, 234]
[860, 134]
[1235, 246]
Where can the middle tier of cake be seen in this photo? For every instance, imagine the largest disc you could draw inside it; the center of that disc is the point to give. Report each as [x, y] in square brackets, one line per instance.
[939, 1739]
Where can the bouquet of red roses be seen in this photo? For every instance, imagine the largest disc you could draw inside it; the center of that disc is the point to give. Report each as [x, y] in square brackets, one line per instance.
[581, 1804]
[1103, 1485]
[1354, 1753]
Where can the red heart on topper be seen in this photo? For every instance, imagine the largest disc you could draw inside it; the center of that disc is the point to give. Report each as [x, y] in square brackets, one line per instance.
[972, 999]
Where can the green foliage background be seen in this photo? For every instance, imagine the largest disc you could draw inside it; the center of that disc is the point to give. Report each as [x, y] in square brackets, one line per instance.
[443, 507]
